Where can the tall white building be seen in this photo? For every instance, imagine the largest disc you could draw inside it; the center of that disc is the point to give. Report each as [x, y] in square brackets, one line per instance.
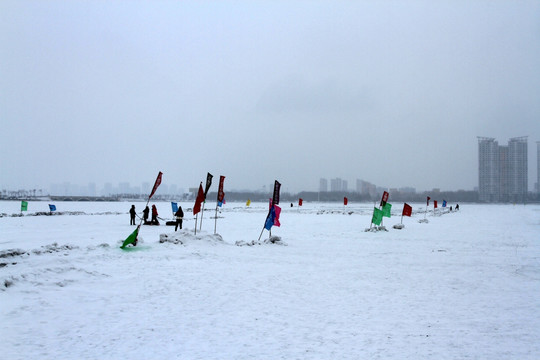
[518, 183]
[502, 170]
[337, 184]
[323, 185]
[488, 169]
[538, 166]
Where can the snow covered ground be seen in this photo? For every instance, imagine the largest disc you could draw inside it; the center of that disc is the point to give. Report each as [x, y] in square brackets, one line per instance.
[466, 285]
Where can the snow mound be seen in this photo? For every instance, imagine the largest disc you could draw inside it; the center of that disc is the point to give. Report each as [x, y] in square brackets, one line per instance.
[423, 221]
[12, 253]
[52, 248]
[398, 226]
[276, 240]
[186, 237]
[376, 229]
[6, 256]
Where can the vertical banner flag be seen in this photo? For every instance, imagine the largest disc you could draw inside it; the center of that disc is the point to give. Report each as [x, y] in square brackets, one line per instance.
[428, 198]
[52, 207]
[275, 198]
[345, 201]
[377, 216]
[248, 202]
[300, 201]
[208, 184]
[407, 210]
[221, 194]
[277, 211]
[270, 219]
[199, 200]
[434, 204]
[444, 203]
[174, 207]
[156, 185]
[386, 209]
[384, 198]
[24, 205]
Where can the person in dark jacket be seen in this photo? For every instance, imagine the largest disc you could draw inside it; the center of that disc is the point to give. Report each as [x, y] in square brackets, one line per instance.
[154, 216]
[132, 214]
[179, 217]
[146, 212]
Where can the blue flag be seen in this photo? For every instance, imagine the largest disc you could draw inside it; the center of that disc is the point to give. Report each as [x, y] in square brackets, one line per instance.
[52, 207]
[444, 203]
[270, 219]
[174, 207]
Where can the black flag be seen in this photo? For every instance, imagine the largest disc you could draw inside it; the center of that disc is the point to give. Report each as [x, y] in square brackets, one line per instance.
[275, 198]
[208, 184]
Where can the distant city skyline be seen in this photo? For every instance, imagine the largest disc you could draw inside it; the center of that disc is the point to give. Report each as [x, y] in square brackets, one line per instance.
[336, 184]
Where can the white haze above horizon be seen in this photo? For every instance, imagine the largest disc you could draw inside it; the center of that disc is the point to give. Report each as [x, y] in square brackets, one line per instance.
[394, 93]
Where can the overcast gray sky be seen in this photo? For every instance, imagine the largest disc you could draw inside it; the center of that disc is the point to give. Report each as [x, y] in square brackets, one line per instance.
[392, 92]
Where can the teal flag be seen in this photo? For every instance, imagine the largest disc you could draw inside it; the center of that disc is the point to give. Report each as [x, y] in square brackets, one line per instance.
[131, 239]
[386, 209]
[24, 205]
[377, 216]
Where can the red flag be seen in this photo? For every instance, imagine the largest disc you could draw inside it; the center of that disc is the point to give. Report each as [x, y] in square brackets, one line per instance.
[434, 204]
[198, 201]
[384, 198]
[428, 198]
[277, 210]
[407, 210]
[300, 202]
[156, 185]
[345, 201]
[221, 194]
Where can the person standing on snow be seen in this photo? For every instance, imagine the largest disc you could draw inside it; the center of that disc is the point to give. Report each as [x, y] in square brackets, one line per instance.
[132, 214]
[154, 216]
[179, 217]
[146, 212]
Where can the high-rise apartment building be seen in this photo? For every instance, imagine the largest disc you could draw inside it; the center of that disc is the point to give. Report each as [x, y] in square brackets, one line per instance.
[538, 166]
[323, 185]
[488, 169]
[518, 183]
[502, 170]
[339, 184]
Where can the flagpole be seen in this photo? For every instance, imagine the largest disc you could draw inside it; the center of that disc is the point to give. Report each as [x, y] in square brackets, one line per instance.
[202, 215]
[260, 234]
[371, 223]
[196, 217]
[215, 222]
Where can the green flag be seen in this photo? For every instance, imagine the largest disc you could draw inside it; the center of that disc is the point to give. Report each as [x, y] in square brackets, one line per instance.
[386, 209]
[131, 239]
[24, 205]
[377, 216]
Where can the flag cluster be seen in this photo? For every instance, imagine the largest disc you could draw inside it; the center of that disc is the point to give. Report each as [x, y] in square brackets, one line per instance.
[384, 211]
[273, 213]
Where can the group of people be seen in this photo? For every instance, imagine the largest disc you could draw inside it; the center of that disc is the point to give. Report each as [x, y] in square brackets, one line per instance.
[179, 215]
